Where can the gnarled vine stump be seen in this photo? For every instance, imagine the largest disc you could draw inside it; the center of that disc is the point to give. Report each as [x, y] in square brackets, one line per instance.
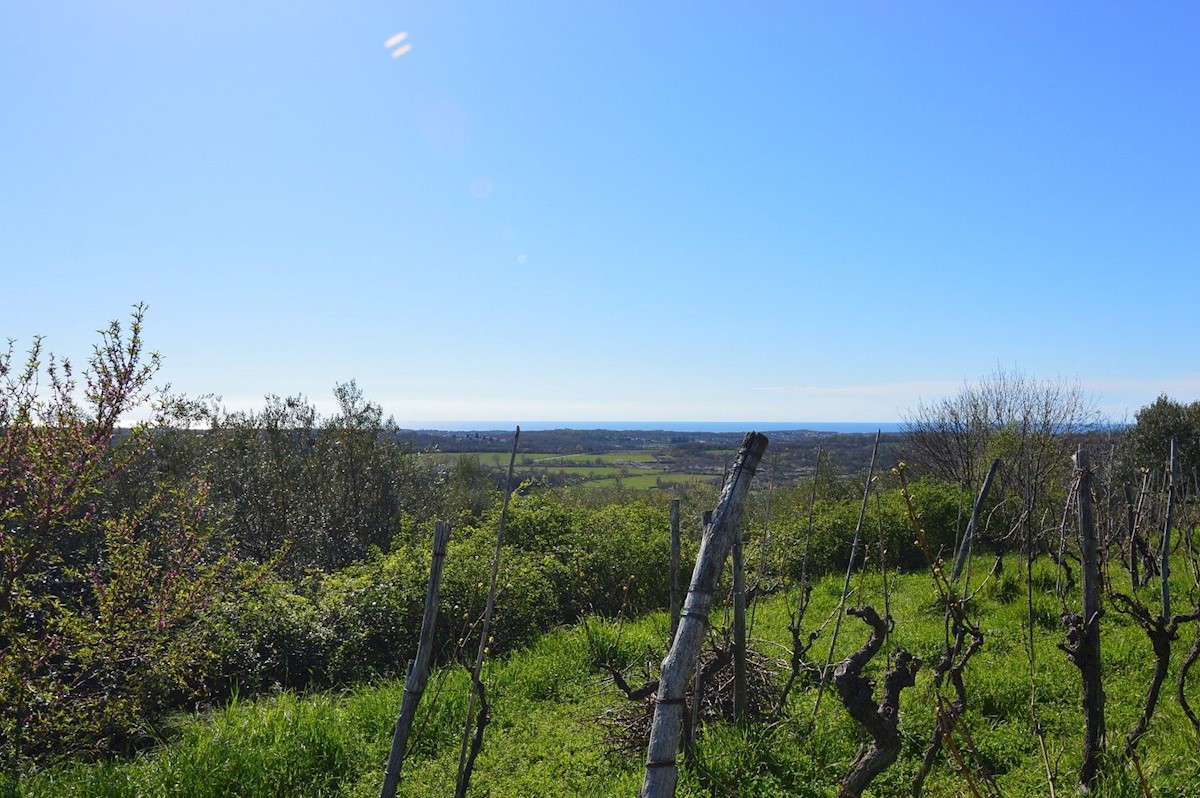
[882, 720]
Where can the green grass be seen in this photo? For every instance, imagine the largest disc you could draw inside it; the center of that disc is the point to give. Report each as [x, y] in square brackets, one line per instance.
[546, 701]
[545, 738]
[627, 457]
[497, 459]
[593, 472]
[644, 481]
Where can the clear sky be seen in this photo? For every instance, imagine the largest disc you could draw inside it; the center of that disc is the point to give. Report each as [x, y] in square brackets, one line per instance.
[610, 210]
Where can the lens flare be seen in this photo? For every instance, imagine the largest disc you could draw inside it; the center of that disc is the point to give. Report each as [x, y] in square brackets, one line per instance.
[395, 40]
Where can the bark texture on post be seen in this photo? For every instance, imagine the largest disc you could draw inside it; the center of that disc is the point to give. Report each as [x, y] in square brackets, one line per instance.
[674, 566]
[661, 768]
[1165, 568]
[882, 720]
[739, 628]
[418, 669]
[1083, 631]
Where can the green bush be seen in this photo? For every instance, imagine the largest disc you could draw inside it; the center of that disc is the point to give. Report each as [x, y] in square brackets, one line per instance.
[269, 636]
[372, 614]
[938, 505]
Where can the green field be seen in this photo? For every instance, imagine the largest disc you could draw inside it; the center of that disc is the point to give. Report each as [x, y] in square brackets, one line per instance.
[641, 481]
[633, 469]
[495, 459]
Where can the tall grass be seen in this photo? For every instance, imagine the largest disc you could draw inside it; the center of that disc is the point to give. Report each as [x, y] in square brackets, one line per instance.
[546, 738]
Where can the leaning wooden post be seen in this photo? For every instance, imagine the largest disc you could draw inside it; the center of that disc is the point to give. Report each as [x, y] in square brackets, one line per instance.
[418, 669]
[674, 566]
[1085, 649]
[964, 550]
[661, 768]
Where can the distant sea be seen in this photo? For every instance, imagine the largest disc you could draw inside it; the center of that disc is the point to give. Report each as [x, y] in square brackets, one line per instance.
[670, 426]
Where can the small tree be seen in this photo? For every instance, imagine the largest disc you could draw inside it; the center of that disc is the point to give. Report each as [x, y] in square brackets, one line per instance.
[1145, 444]
[55, 452]
[265, 481]
[1031, 426]
[98, 606]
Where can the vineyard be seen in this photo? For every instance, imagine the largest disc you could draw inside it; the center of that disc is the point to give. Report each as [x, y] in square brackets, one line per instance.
[241, 603]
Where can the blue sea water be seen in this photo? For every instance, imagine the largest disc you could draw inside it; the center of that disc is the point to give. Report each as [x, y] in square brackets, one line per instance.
[672, 426]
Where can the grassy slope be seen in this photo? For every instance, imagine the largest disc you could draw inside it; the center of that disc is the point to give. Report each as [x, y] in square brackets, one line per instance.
[545, 738]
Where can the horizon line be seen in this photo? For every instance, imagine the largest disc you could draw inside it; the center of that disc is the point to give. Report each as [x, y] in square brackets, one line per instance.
[640, 425]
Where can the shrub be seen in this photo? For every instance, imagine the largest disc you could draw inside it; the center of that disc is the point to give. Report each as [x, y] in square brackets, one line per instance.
[100, 608]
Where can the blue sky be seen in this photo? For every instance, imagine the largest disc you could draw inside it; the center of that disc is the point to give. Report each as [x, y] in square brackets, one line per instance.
[610, 210]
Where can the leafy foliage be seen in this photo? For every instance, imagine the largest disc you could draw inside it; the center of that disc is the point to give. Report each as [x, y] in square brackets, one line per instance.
[98, 606]
[1148, 443]
[145, 569]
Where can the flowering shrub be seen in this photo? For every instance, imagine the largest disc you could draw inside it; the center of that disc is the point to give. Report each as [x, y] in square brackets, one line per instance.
[99, 607]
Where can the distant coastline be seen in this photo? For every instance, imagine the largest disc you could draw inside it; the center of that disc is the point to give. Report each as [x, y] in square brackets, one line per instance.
[856, 427]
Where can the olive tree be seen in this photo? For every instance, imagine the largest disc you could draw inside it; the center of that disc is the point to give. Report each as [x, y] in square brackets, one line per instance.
[1147, 443]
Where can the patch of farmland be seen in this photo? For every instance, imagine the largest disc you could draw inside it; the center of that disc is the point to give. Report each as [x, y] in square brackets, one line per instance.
[650, 481]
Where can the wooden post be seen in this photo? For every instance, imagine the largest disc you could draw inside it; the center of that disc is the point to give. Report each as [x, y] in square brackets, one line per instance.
[1137, 544]
[1087, 646]
[465, 760]
[674, 566]
[661, 768]
[739, 628]
[965, 550]
[837, 625]
[418, 669]
[1165, 568]
[697, 681]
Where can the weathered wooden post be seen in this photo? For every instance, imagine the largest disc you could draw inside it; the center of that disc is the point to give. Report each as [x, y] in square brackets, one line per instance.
[739, 628]
[661, 768]
[674, 566]
[418, 669]
[1083, 643]
[698, 677]
[1165, 567]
